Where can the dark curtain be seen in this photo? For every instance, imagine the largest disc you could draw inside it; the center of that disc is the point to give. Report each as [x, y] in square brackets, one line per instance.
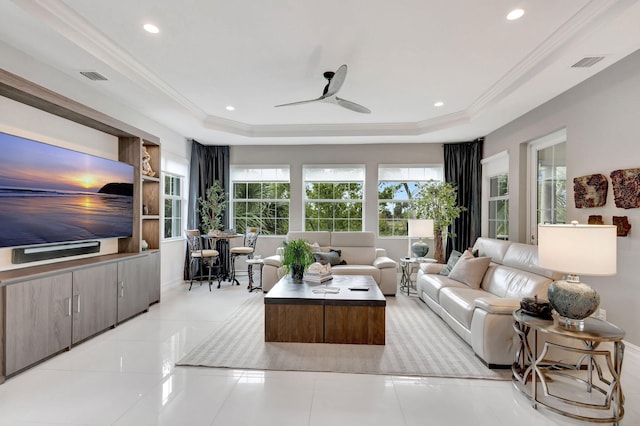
[208, 164]
[462, 167]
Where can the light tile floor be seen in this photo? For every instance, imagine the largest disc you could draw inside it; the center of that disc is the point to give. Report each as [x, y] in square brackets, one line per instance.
[127, 376]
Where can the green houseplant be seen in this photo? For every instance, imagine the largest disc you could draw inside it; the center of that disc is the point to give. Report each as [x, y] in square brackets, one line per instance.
[438, 201]
[296, 258]
[212, 208]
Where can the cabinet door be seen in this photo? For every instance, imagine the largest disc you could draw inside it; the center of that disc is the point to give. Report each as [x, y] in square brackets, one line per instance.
[38, 320]
[133, 292]
[95, 301]
[153, 276]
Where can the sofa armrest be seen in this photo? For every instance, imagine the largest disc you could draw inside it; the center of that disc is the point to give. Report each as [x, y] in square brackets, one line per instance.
[274, 260]
[497, 305]
[380, 252]
[432, 268]
[384, 262]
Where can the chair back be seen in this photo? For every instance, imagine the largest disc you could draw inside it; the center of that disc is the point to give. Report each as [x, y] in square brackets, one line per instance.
[251, 237]
[194, 242]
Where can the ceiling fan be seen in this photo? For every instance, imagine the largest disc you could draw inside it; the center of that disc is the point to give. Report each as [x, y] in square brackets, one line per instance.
[330, 91]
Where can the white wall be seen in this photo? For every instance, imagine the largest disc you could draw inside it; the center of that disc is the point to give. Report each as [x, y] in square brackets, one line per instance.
[601, 116]
[370, 155]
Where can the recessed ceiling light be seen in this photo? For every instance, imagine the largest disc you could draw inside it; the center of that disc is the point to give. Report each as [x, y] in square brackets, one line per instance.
[150, 28]
[515, 14]
[230, 108]
[438, 104]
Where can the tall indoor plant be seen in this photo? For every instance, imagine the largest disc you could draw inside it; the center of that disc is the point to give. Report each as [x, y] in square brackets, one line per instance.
[296, 258]
[438, 201]
[212, 208]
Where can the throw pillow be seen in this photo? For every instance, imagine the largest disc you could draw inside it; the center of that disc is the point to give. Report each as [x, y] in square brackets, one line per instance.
[453, 259]
[332, 258]
[342, 261]
[470, 270]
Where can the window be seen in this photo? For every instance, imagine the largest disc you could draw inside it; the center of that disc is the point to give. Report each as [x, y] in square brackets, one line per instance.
[173, 203]
[499, 207]
[260, 198]
[495, 196]
[334, 198]
[397, 186]
[549, 177]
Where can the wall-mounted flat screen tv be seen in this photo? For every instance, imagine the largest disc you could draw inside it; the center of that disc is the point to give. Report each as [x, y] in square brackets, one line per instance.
[50, 194]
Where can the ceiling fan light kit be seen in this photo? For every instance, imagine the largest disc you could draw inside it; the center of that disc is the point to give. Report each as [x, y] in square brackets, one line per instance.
[329, 94]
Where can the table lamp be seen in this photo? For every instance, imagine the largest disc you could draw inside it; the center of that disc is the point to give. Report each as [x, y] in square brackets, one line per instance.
[574, 250]
[420, 228]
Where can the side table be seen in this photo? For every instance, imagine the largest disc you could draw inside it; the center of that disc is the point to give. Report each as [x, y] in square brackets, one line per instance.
[407, 265]
[588, 390]
[250, 264]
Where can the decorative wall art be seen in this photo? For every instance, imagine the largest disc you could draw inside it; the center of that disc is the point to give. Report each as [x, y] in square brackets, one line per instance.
[626, 188]
[622, 222]
[595, 219]
[590, 191]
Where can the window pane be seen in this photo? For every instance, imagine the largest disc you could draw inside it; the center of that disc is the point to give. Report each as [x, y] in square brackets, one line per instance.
[240, 190]
[254, 191]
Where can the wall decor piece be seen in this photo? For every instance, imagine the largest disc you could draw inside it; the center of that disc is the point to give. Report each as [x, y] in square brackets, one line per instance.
[595, 219]
[626, 188]
[622, 222]
[590, 191]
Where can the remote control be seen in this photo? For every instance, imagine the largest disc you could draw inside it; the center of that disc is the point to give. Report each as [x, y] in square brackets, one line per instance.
[358, 289]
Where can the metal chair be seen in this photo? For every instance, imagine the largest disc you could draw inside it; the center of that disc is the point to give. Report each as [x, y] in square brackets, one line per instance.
[202, 257]
[247, 249]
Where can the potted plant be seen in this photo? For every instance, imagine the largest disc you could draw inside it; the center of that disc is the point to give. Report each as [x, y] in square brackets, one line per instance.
[438, 201]
[296, 258]
[212, 208]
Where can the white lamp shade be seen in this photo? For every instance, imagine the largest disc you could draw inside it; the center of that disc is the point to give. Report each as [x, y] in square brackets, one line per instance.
[578, 249]
[420, 228]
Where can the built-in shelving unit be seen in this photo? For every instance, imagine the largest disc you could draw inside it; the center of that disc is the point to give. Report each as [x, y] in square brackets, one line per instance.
[118, 286]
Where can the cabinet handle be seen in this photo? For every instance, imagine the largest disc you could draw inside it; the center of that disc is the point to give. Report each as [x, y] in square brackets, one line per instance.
[121, 288]
[77, 303]
[68, 300]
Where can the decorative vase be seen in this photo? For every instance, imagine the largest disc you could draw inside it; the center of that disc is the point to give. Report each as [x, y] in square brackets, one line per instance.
[573, 300]
[144, 245]
[297, 272]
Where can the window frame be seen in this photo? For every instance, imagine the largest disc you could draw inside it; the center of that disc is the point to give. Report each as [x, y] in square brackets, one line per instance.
[263, 175]
[417, 174]
[338, 174]
[180, 198]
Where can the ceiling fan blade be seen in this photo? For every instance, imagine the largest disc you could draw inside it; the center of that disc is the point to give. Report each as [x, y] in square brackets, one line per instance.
[352, 106]
[336, 81]
[301, 102]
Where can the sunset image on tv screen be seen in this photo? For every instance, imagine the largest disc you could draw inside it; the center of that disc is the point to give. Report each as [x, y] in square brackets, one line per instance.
[51, 194]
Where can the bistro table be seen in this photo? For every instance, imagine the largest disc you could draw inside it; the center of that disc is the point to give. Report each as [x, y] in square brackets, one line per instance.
[220, 242]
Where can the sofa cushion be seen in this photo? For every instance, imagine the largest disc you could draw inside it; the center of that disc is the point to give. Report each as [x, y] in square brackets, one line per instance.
[357, 255]
[459, 302]
[432, 268]
[433, 284]
[504, 281]
[274, 260]
[323, 238]
[453, 259]
[470, 270]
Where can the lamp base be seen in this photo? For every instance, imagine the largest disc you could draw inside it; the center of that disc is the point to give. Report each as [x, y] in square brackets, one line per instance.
[570, 324]
[573, 301]
[420, 248]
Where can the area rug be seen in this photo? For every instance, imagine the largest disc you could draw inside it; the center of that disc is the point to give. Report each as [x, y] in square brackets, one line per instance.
[418, 343]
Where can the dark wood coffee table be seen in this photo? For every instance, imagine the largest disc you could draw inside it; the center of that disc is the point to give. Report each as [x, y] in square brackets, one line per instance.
[294, 313]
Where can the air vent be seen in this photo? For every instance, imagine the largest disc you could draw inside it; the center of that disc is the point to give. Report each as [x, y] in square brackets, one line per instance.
[587, 61]
[93, 75]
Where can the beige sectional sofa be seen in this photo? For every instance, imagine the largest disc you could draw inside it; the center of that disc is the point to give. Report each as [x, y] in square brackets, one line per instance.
[483, 316]
[357, 250]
